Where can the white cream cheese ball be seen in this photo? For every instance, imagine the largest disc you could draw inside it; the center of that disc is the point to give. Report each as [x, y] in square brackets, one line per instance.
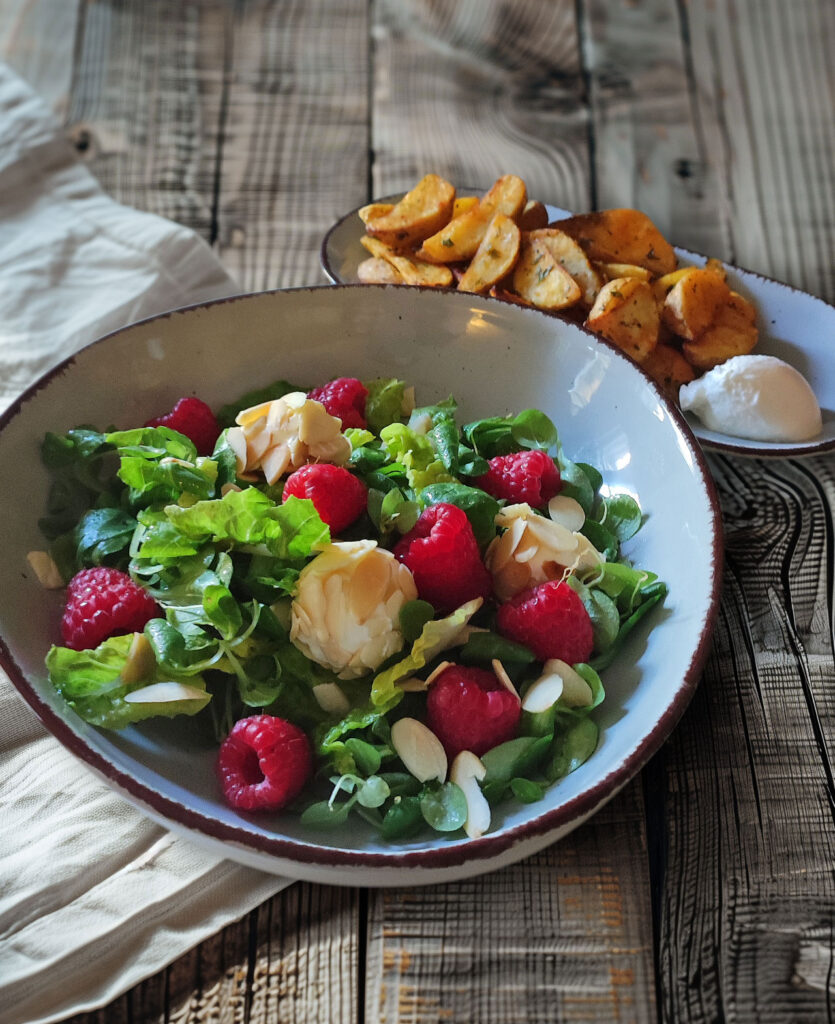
[760, 398]
[345, 615]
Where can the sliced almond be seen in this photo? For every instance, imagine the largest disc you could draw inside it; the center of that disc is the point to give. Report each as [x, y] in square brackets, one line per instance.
[140, 663]
[411, 684]
[543, 693]
[165, 693]
[419, 749]
[331, 699]
[567, 512]
[45, 569]
[504, 678]
[467, 771]
[558, 681]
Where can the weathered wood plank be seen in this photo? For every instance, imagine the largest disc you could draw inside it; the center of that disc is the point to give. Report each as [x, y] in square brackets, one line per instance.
[764, 81]
[146, 104]
[473, 90]
[748, 905]
[562, 936]
[651, 150]
[295, 153]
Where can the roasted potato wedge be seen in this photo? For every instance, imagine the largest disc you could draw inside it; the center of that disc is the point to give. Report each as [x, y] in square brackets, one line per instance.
[372, 210]
[693, 302]
[494, 258]
[533, 217]
[668, 368]
[613, 270]
[411, 270]
[621, 236]
[571, 258]
[376, 270]
[626, 313]
[463, 204]
[460, 238]
[419, 214]
[540, 280]
[733, 333]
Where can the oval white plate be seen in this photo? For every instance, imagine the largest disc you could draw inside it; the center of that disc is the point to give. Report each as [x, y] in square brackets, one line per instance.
[496, 358]
[795, 326]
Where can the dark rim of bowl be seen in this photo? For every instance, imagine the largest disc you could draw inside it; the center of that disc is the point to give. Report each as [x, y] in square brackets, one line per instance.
[781, 451]
[458, 852]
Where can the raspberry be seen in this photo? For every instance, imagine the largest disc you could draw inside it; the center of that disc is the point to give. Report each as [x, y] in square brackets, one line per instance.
[339, 496]
[442, 554]
[195, 419]
[551, 620]
[101, 603]
[469, 709]
[345, 398]
[530, 477]
[263, 763]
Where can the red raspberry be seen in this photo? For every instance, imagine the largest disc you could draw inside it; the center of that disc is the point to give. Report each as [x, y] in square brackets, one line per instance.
[442, 554]
[469, 709]
[101, 603]
[340, 497]
[530, 477]
[263, 763]
[551, 620]
[345, 398]
[195, 419]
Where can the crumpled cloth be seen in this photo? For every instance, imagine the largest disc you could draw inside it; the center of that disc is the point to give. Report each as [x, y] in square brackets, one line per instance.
[94, 897]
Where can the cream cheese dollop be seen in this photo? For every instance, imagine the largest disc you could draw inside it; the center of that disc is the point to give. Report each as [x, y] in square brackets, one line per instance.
[756, 397]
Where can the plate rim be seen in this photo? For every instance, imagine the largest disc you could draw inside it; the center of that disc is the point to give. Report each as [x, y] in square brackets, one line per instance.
[458, 852]
[779, 450]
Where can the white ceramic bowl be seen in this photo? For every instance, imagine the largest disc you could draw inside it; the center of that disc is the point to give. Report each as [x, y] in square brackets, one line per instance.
[495, 358]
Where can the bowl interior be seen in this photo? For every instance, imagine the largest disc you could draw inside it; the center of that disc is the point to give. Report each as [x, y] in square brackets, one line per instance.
[495, 358]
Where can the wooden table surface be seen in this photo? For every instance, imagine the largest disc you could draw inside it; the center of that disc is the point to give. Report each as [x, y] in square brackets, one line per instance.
[706, 890]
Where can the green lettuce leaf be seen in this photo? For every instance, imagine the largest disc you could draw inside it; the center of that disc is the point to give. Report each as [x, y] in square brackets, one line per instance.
[90, 683]
[384, 404]
[436, 636]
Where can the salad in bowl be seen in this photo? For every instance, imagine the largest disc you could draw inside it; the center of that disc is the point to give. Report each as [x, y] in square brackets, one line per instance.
[381, 611]
[395, 652]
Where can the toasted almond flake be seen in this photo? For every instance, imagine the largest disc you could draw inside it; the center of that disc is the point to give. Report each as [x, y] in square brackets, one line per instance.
[567, 512]
[140, 662]
[543, 693]
[411, 684]
[419, 749]
[164, 693]
[330, 698]
[227, 488]
[576, 691]
[255, 412]
[559, 681]
[466, 772]
[504, 678]
[433, 675]
[45, 569]
[275, 462]
[236, 439]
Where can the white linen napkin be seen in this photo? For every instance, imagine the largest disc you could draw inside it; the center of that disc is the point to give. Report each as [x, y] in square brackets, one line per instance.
[93, 896]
